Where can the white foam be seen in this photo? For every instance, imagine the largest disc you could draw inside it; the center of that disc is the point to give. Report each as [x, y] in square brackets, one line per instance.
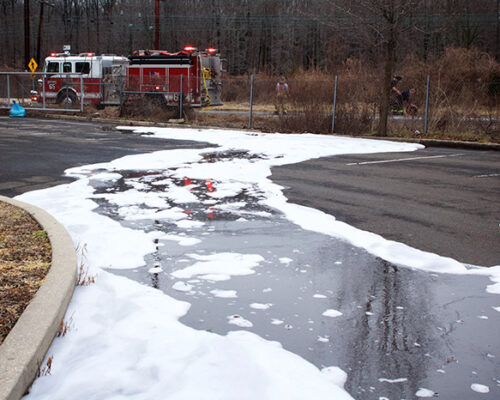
[396, 380]
[224, 294]
[220, 266]
[423, 392]
[332, 313]
[260, 306]
[239, 321]
[476, 387]
[335, 375]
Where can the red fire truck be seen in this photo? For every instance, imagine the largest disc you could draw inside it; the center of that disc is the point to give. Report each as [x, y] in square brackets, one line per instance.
[111, 80]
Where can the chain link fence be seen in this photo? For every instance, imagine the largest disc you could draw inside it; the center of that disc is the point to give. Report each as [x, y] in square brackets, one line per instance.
[28, 90]
[460, 109]
[465, 109]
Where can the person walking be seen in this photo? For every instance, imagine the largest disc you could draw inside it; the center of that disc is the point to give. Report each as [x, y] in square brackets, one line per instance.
[397, 98]
[281, 95]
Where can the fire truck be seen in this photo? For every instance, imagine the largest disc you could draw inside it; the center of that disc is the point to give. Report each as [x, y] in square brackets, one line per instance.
[111, 80]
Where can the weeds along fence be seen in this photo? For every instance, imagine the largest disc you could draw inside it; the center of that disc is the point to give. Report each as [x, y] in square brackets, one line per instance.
[463, 109]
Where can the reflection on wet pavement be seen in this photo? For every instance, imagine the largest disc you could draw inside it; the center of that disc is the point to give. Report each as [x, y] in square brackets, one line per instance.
[394, 330]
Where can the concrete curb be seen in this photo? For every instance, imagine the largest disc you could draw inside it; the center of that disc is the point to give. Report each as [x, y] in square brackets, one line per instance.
[24, 348]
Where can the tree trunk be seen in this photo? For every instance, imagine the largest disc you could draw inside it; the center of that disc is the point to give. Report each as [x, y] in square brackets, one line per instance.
[386, 94]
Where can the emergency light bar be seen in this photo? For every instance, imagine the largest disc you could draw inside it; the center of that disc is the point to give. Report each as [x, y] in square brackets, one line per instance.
[190, 48]
[211, 50]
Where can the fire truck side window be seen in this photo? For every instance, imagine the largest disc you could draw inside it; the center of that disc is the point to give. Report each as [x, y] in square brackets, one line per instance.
[53, 67]
[67, 67]
[82, 67]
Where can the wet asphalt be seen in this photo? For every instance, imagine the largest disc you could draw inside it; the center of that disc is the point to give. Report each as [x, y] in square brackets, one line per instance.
[445, 201]
[400, 329]
[35, 152]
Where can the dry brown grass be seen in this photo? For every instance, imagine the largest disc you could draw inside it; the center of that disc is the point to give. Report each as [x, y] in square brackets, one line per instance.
[464, 96]
[25, 257]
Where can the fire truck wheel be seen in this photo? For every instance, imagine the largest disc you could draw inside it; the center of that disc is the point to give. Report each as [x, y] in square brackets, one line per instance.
[66, 97]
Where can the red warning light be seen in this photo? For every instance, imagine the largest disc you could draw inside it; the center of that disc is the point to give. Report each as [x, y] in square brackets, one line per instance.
[90, 54]
[211, 50]
[190, 48]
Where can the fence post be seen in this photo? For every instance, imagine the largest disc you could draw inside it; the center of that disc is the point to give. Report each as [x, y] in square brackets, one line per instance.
[8, 90]
[250, 119]
[334, 107]
[22, 89]
[180, 99]
[121, 90]
[43, 90]
[82, 94]
[426, 122]
[66, 92]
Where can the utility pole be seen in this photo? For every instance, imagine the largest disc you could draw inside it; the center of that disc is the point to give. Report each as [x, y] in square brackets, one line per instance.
[157, 24]
[497, 48]
[39, 39]
[26, 33]
[40, 30]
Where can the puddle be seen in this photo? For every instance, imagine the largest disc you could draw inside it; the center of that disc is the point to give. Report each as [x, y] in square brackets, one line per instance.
[393, 330]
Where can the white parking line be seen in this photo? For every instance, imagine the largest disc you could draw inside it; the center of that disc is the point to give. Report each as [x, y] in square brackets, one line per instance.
[405, 159]
[486, 176]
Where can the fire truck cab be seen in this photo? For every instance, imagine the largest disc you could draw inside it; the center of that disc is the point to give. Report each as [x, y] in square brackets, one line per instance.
[63, 72]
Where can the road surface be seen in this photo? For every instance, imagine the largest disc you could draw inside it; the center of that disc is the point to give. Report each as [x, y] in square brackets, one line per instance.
[444, 201]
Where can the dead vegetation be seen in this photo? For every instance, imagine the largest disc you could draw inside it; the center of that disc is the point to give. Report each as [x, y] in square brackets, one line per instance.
[152, 108]
[84, 277]
[464, 97]
[46, 369]
[25, 258]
